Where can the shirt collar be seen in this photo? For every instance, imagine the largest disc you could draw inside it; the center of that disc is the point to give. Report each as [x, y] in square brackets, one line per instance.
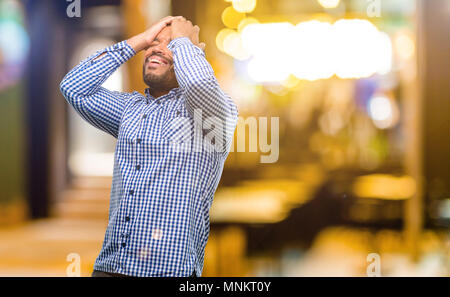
[174, 92]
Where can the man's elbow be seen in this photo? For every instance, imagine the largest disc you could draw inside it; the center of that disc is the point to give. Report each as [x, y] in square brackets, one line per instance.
[68, 90]
[64, 87]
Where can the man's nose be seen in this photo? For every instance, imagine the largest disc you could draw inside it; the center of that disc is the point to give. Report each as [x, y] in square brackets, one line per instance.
[158, 49]
[154, 50]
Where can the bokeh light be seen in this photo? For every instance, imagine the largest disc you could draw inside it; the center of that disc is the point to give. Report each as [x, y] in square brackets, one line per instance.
[231, 18]
[232, 45]
[245, 22]
[263, 42]
[315, 50]
[312, 54]
[329, 3]
[14, 43]
[361, 49]
[404, 45]
[383, 111]
[220, 38]
[384, 186]
[245, 6]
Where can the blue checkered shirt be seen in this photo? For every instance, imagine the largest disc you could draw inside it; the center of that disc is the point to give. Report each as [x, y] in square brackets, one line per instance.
[164, 178]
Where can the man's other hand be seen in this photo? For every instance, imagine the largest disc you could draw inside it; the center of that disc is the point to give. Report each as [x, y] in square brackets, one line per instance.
[184, 28]
[142, 41]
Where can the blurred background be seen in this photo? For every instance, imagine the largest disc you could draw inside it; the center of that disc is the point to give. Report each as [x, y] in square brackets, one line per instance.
[361, 91]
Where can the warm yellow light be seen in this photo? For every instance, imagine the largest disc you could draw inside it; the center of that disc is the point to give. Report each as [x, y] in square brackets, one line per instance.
[384, 49]
[404, 46]
[384, 186]
[313, 50]
[361, 50]
[221, 37]
[245, 22]
[290, 82]
[329, 3]
[260, 70]
[269, 45]
[323, 17]
[312, 56]
[267, 39]
[231, 18]
[244, 93]
[232, 45]
[245, 6]
[247, 205]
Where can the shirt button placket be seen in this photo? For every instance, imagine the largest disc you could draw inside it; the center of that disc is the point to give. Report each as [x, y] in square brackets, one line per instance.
[124, 234]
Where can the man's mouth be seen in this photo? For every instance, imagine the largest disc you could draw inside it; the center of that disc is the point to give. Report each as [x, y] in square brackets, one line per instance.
[157, 61]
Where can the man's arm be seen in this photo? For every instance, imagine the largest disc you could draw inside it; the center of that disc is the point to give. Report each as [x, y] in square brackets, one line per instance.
[196, 77]
[82, 85]
[82, 88]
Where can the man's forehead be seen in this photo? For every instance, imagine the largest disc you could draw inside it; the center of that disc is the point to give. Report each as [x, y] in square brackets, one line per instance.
[165, 34]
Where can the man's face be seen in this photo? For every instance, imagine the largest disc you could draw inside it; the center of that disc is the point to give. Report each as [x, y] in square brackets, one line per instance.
[158, 71]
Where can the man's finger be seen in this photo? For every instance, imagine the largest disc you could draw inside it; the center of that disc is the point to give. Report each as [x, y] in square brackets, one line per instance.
[167, 19]
[164, 21]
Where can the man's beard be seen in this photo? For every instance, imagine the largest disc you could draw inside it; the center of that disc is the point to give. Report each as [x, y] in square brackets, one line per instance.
[158, 82]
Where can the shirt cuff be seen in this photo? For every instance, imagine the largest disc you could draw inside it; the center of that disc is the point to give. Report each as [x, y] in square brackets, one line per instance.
[121, 52]
[182, 41]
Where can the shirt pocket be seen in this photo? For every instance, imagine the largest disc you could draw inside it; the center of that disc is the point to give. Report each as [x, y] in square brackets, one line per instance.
[178, 126]
[130, 120]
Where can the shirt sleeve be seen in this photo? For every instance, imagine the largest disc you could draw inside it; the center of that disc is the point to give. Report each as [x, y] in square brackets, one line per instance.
[201, 88]
[83, 91]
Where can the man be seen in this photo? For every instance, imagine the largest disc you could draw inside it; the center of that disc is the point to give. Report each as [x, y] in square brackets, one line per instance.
[161, 195]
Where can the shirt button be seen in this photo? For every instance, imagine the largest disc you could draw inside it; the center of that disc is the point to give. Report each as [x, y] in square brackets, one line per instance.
[124, 244]
[131, 192]
[138, 167]
[158, 102]
[127, 219]
[178, 113]
[139, 140]
[144, 116]
[116, 46]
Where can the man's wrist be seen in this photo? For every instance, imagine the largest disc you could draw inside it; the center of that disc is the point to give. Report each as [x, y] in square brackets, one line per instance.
[184, 41]
[138, 43]
[178, 41]
[121, 52]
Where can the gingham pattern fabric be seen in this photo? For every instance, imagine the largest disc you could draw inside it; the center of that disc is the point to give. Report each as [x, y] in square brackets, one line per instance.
[162, 187]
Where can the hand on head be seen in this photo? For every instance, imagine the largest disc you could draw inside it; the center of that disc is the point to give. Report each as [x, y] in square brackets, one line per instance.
[181, 27]
[158, 64]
